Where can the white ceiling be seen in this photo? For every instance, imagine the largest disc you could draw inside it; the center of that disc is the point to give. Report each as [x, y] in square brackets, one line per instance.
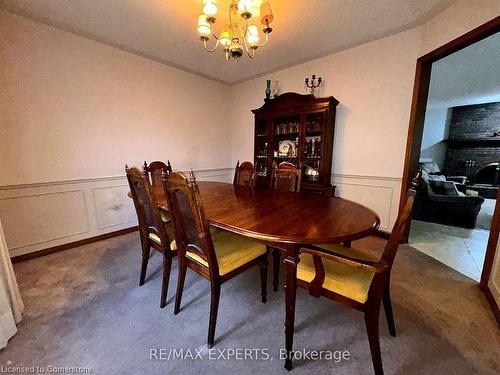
[469, 76]
[165, 30]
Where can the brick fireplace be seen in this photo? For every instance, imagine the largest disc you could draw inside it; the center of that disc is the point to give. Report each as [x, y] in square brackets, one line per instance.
[474, 143]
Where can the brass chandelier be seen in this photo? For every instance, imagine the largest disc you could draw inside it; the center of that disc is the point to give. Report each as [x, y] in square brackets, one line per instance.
[240, 35]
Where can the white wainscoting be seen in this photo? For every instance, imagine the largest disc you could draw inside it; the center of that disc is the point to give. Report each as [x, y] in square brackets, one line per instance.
[381, 194]
[39, 216]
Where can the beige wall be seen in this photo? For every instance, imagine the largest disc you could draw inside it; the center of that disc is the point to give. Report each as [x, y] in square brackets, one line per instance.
[461, 17]
[72, 108]
[373, 83]
[102, 107]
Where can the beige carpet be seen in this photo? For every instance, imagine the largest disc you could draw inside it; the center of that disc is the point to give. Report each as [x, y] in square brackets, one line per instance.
[84, 308]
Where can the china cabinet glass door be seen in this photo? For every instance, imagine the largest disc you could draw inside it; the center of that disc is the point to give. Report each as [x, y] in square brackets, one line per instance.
[285, 137]
[313, 147]
[261, 149]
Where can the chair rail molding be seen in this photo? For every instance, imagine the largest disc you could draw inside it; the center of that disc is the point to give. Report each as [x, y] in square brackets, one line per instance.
[42, 215]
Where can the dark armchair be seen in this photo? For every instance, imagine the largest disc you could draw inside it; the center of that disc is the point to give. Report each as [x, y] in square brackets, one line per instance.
[440, 202]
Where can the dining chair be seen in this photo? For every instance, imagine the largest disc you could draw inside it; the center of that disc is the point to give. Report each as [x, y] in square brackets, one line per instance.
[285, 177]
[244, 174]
[216, 255]
[356, 279]
[154, 171]
[154, 233]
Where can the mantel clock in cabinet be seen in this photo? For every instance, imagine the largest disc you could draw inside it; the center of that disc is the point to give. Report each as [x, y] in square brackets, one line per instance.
[298, 129]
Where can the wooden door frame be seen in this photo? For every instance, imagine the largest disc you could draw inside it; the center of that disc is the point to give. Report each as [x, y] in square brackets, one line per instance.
[416, 127]
[490, 259]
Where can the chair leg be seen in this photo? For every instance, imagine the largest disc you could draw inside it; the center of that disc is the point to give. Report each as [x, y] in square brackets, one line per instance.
[146, 249]
[214, 307]
[388, 311]
[276, 268]
[263, 277]
[180, 286]
[167, 264]
[372, 323]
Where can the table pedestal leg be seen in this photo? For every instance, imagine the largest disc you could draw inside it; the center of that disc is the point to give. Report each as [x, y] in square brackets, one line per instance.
[291, 262]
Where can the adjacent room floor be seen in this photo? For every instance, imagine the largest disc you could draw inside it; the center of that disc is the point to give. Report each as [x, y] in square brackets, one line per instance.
[459, 248]
[84, 308]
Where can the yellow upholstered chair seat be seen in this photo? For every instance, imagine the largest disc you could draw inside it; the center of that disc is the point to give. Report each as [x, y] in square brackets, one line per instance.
[232, 251]
[340, 278]
[165, 216]
[170, 232]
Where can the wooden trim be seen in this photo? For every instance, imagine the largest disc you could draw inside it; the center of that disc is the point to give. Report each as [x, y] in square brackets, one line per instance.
[493, 303]
[415, 133]
[416, 126]
[491, 249]
[66, 246]
[479, 33]
[420, 94]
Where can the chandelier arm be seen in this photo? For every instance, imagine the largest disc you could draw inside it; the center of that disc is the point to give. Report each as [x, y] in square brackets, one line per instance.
[245, 43]
[205, 45]
[265, 41]
[247, 49]
[246, 29]
[205, 41]
[213, 34]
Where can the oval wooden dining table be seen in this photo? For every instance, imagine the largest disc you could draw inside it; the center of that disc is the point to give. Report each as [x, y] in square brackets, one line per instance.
[285, 221]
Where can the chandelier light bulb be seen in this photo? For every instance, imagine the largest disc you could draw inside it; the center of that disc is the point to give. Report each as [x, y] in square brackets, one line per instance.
[210, 7]
[203, 25]
[252, 30]
[252, 35]
[266, 13]
[245, 8]
[225, 38]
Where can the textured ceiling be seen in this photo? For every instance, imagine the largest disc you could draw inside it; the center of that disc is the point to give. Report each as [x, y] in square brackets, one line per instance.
[165, 30]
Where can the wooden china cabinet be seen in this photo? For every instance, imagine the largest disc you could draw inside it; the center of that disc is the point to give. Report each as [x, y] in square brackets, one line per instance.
[298, 129]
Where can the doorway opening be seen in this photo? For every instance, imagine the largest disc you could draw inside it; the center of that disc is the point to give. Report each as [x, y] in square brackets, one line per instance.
[459, 169]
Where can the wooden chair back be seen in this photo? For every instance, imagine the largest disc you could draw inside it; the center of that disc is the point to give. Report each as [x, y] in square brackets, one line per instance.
[286, 177]
[244, 174]
[146, 208]
[401, 222]
[155, 170]
[191, 229]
